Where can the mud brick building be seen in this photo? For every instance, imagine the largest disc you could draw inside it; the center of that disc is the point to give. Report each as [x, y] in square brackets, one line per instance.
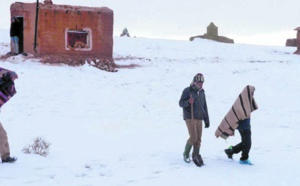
[75, 31]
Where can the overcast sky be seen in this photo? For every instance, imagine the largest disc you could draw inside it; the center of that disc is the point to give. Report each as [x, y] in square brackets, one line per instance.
[266, 22]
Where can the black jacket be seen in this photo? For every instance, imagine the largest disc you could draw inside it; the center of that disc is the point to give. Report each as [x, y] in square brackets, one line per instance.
[14, 29]
[200, 106]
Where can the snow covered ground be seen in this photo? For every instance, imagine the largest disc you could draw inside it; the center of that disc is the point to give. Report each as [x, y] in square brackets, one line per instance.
[126, 128]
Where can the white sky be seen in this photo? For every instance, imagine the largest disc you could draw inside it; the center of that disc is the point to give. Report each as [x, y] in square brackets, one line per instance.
[267, 22]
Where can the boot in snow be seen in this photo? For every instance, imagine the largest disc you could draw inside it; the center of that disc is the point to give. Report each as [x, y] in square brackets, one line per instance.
[186, 153]
[229, 152]
[246, 162]
[9, 159]
[197, 159]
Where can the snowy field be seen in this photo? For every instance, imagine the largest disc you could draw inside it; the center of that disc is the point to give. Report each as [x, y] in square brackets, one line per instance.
[126, 128]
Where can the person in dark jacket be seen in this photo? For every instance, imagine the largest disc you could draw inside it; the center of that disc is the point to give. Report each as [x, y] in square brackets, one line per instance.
[14, 32]
[193, 103]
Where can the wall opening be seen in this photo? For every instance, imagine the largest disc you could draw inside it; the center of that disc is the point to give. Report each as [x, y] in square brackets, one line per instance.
[78, 39]
[21, 33]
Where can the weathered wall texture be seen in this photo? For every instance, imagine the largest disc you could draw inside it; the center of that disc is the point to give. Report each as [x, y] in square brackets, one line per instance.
[54, 20]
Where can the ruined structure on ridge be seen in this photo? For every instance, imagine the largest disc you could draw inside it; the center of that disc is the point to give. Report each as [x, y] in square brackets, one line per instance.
[212, 34]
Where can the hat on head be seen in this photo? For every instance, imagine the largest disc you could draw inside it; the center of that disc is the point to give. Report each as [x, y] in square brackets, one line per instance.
[198, 77]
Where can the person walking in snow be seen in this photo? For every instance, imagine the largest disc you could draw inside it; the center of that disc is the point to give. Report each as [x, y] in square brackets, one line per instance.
[7, 90]
[193, 103]
[14, 32]
[238, 118]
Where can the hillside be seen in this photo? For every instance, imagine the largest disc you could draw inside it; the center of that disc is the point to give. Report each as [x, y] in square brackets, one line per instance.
[126, 128]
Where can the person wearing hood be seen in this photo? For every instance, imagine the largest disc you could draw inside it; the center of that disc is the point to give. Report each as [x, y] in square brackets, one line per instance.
[238, 118]
[193, 103]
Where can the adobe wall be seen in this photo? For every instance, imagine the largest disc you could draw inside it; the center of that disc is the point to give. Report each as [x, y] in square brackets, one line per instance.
[28, 12]
[55, 19]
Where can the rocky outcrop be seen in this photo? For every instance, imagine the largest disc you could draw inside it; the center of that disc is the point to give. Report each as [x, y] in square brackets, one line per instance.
[125, 33]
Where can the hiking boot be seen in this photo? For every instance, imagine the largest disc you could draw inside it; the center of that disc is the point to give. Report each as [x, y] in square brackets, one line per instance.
[197, 159]
[9, 159]
[186, 153]
[186, 158]
[229, 152]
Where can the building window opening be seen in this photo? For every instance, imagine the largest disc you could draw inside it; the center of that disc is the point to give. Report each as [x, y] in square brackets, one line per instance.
[78, 40]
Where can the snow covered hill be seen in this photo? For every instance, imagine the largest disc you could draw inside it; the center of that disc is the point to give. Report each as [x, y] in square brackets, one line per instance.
[126, 128]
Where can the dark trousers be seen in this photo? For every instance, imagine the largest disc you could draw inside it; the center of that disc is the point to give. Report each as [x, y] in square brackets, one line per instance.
[245, 145]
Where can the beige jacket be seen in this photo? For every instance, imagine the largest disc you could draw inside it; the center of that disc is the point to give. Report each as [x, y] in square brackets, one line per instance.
[241, 109]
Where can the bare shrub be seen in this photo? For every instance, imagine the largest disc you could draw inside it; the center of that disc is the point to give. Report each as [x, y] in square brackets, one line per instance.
[39, 146]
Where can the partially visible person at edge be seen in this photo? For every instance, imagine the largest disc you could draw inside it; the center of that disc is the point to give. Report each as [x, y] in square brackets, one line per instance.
[7, 90]
[238, 118]
[194, 96]
[14, 32]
